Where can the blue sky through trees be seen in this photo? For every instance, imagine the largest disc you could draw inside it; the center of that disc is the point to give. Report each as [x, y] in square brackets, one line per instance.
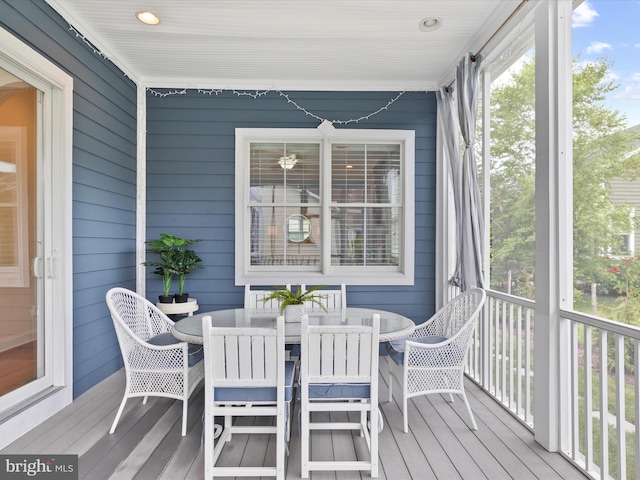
[609, 29]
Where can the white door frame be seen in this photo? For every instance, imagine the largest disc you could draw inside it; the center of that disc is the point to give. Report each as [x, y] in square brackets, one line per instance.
[24, 409]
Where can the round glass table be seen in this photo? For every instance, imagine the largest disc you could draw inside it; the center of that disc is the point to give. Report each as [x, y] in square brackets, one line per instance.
[392, 325]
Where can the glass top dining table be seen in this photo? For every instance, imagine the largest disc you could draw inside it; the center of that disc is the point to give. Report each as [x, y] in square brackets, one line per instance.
[392, 325]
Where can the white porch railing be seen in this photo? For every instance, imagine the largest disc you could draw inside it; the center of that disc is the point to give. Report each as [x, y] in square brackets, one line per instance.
[501, 355]
[603, 424]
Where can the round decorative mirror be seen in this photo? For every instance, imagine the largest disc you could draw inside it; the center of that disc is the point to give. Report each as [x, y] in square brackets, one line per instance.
[297, 228]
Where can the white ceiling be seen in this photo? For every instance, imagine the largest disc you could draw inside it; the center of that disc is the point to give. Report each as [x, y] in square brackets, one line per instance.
[287, 44]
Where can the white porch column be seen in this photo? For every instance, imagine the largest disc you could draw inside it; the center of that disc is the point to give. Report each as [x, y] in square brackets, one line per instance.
[141, 189]
[485, 334]
[553, 218]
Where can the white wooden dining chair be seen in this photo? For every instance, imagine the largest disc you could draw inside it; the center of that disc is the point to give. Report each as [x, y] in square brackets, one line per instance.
[331, 299]
[339, 373]
[155, 362]
[245, 375]
[433, 358]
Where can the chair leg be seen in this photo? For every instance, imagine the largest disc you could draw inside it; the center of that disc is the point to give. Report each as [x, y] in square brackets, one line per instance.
[405, 415]
[115, 421]
[228, 425]
[474, 425]
[390, 383]
[281, 425]
[185, 406]
[374, 440]
[287, 426]
[208, 445]
[304, 443]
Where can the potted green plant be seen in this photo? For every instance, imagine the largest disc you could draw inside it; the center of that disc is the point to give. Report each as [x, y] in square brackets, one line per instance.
[172, 261]
[292, 301]
[186, 261]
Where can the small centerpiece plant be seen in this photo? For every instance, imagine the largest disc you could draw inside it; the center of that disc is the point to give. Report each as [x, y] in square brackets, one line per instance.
[292, 301]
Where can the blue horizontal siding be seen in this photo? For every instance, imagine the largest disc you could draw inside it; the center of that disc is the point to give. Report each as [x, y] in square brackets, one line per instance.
[191, 180]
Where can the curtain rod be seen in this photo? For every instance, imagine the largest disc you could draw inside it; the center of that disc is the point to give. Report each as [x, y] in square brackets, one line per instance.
[508, 19]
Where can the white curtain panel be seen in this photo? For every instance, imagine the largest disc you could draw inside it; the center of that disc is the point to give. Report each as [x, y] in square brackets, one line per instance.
[471, 207]
[451, 145]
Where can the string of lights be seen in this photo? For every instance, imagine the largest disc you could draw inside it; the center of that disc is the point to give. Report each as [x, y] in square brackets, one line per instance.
[341, 122]
[88, 43]
[95, 50]
[261, 93]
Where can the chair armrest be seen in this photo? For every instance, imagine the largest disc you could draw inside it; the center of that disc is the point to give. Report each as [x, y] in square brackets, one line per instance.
[436, 355]
[450, 352]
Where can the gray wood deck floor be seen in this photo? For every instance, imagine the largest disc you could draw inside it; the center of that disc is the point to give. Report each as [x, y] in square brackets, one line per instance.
[147, 443]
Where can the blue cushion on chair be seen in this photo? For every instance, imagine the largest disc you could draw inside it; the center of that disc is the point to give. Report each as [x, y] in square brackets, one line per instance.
[339, 390]
[395, 348]
[196, 352]
[258, 394]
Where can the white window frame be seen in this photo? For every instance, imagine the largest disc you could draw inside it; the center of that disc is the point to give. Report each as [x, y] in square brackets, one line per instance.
[17, 275]
[328, 274]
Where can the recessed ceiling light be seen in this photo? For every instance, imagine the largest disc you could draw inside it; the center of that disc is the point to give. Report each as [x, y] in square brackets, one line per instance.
[430, 24]
[147, 17]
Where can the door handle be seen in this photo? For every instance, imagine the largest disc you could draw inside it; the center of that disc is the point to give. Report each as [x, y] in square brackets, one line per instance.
[52, 263]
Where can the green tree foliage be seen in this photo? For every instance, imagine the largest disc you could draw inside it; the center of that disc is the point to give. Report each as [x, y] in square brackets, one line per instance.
[601, 143]
[513, 181]
[625, 273]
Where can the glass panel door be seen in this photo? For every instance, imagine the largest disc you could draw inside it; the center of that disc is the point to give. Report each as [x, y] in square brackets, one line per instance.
[21, 322]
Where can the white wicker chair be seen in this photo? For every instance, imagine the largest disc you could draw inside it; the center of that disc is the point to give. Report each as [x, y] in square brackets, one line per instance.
[339, 373]
[432, 359]
[332, 299]
[156, 364]
[245, 375]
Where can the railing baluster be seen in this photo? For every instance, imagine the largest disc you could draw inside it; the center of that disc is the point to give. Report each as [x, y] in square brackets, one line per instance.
[510, 359]
[519, 362]
[492, 358]
[588, 397]
[604, 407]
[620, 407]
[528, 417]
[503, 353]
[496, 348]
[575, 394]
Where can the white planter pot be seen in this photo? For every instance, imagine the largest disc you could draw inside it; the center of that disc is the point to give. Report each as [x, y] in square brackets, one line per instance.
[293, 313]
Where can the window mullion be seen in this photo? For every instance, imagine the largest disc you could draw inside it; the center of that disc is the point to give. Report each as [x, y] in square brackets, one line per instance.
[326, 202]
